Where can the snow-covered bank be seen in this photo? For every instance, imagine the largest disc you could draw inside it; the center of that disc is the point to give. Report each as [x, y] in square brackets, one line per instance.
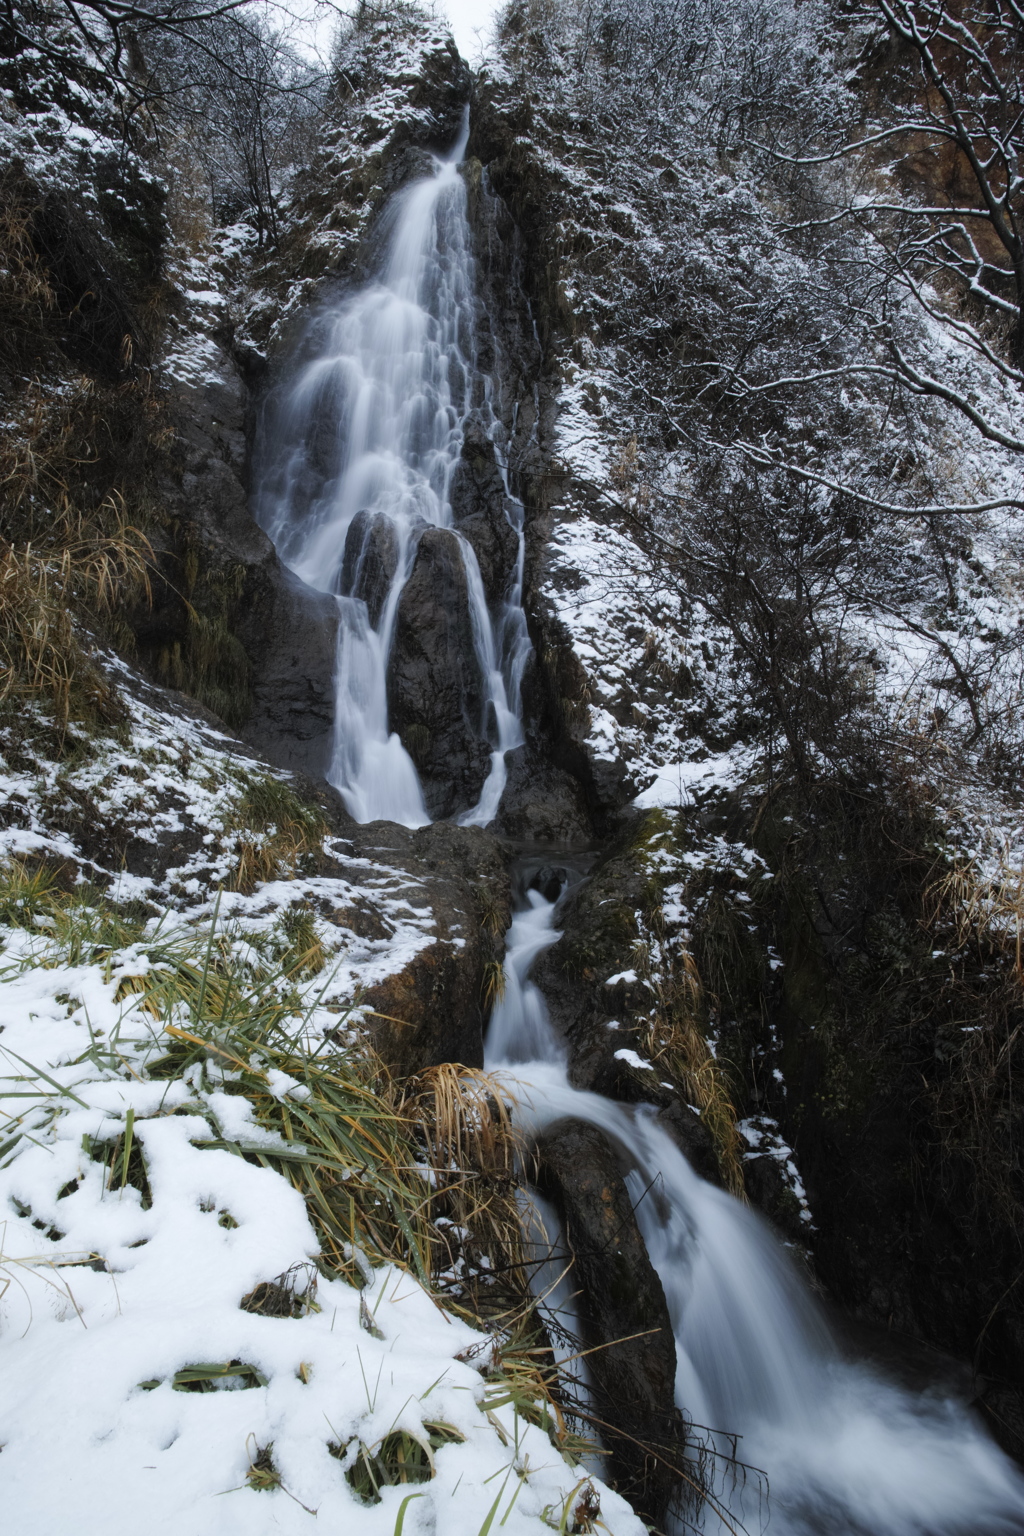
[170, 1349]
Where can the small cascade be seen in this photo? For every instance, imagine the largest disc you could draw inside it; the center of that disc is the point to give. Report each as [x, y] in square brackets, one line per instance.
[846, 1452]
[358, 463]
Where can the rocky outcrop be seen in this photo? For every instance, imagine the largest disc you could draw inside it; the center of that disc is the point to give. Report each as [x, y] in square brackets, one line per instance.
[598, 923]
[694, 1140]
[480, 509]
[229, 624]
[435, 691]
[512, 342]
[433, 1009]
[292, 643]
[542, 804]
[623, 1315]
[369, 562]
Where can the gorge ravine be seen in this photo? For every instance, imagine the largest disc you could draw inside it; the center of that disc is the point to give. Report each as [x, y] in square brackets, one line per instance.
[362, 483]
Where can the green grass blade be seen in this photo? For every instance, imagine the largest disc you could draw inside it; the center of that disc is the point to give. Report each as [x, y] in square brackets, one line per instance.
[65, 1092]
[402, 1509]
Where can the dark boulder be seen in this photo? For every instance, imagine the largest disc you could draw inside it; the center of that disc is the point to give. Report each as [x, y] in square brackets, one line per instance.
[598, 924]
[370, 560]
[550, 881]
[293, 642]
[480, 509]
[693, 1139]
[435, 691]
[622, 1311]
[542, 804]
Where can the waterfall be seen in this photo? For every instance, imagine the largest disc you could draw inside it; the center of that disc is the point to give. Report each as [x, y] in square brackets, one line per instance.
[360, 463]
[367, 440]
[846, 1452]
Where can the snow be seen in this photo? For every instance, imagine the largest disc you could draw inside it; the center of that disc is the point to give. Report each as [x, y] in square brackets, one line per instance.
[763, 1136]
[677, 783]
[633, 1060]
[104, 1296]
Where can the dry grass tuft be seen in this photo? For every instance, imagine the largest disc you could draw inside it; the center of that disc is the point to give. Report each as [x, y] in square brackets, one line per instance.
[676, 1043]
[493, 988]
[978, 920]
[463, 1119]
[399, 1458]
[262, 1474]
[26, 891]
[74, 554]
[984, 909]
[278, 834]
[292, 1294]
[26, 295]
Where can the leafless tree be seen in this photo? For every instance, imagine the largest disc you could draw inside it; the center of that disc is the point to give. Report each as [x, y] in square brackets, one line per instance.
[944, 83]
[224, 72]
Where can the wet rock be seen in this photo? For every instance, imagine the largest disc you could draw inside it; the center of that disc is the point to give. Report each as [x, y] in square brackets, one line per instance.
[541, 803]
[435, 692]
[549, 881]
[557, 696]
[693, 1139]
[228, 624]
[432, 1010]
[598, 925]
[292, 639]
[480, 510]
[370, 560]
[442, 92]
[270, 638]
[767, 1189]
[622, 1307]
[406, 163]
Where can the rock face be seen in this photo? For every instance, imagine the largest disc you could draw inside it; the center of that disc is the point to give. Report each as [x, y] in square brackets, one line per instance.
[622, 1308]
[279, 634]
[480, 511]
[435, 692]
[433, 1010]
[292, 718]
[694, 1140]
[542, 804]
[598, 923]
[370, 560]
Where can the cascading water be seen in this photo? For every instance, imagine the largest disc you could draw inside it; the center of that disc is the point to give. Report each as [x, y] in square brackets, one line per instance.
[846, 1452]
[370, 433]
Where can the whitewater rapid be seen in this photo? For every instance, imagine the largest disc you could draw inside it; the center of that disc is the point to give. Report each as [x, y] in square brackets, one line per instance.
[372, 428]
[845, 1451]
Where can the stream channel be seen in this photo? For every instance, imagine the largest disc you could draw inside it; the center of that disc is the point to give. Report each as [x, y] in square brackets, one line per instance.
[365, 444]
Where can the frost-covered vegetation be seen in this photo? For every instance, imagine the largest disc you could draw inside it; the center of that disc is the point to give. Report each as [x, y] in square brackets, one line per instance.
[210, 1191]
[777, 249]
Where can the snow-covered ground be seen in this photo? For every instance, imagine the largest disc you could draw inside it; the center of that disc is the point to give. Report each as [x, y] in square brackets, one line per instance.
[133, 1228]
[108, 1297]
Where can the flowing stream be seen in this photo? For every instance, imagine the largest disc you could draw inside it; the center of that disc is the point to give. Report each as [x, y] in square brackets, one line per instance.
[846, 1452]
[370, 432]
